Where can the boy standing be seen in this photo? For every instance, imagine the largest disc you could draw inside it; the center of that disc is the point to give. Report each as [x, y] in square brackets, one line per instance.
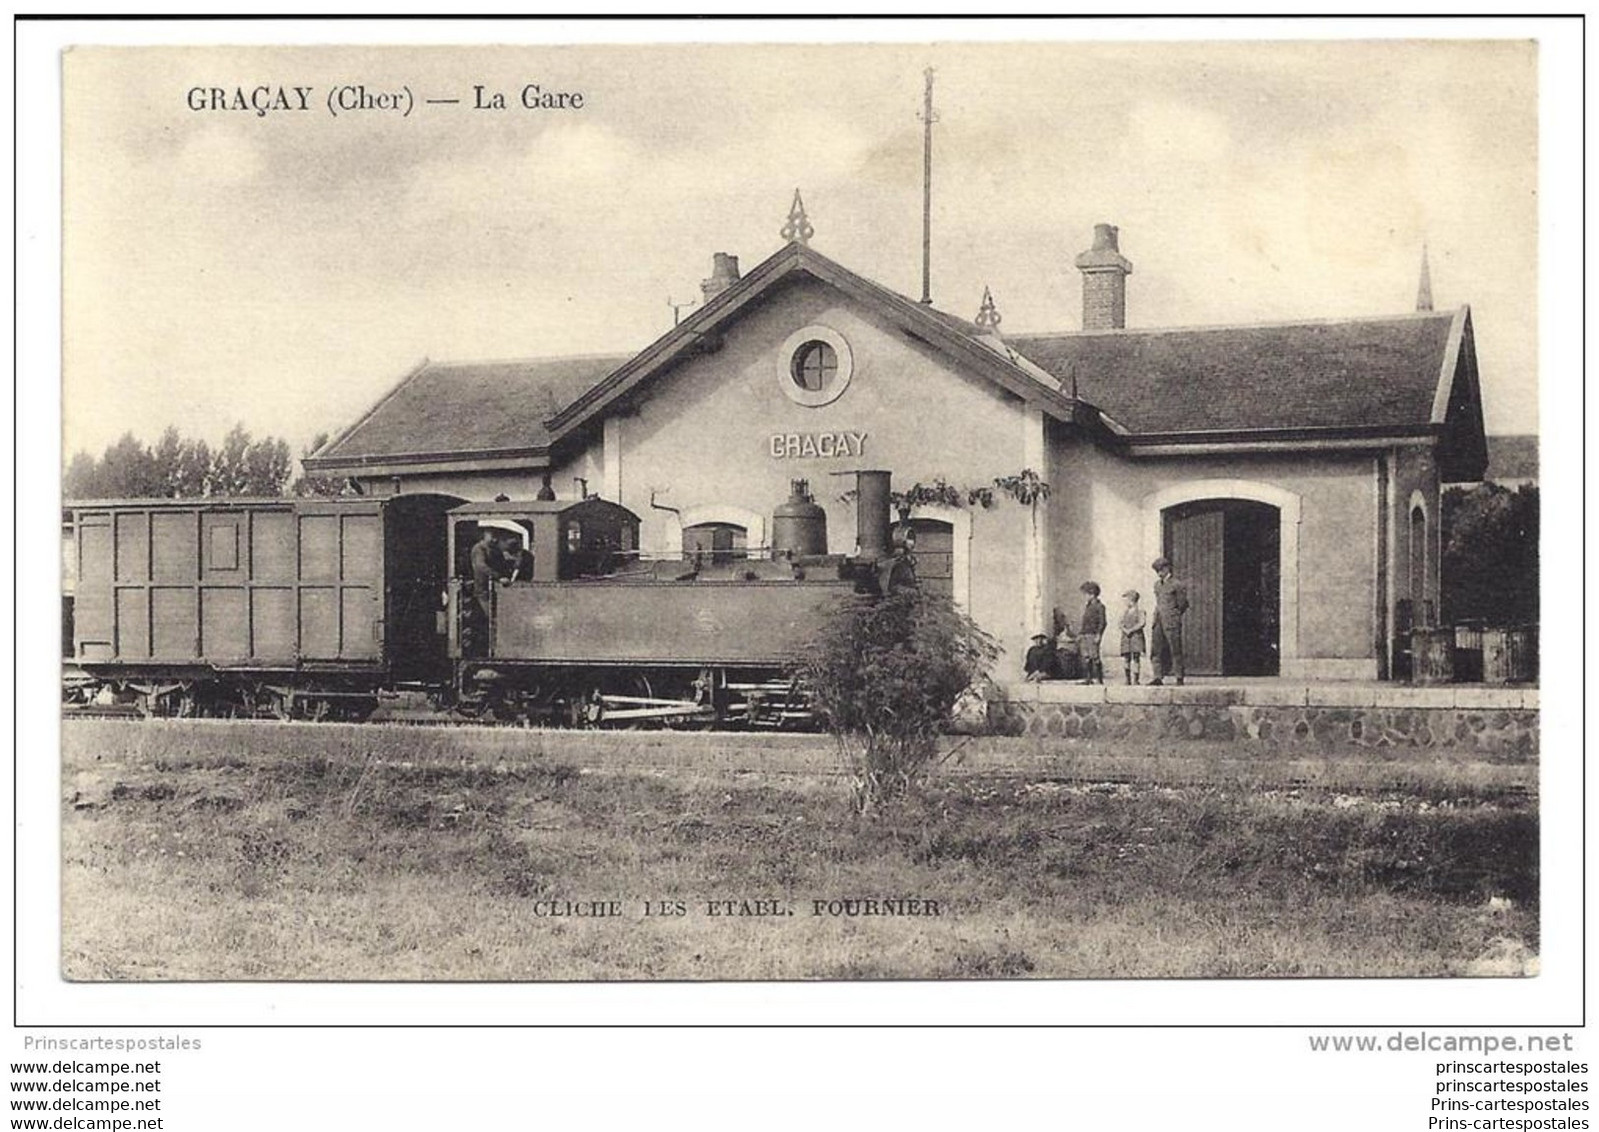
[1133, 645]
[1089, 634]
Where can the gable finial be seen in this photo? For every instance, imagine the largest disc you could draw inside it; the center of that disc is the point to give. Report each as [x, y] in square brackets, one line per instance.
[1424, 288]
[988, 316]
[798, 230]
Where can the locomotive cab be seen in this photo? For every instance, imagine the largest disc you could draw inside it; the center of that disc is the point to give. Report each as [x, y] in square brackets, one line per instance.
[567, 539]
[537, 541]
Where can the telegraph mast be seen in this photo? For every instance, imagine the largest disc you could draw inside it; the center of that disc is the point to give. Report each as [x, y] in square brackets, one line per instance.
[928, 118]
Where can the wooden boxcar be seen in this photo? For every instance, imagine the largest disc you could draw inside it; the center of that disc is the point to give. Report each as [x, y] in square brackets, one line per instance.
[188, 600]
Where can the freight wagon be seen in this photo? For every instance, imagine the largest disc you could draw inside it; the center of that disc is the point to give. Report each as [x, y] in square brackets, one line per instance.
[294, 607]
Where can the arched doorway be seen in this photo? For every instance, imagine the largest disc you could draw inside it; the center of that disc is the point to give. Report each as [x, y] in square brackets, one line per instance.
[1228, 553]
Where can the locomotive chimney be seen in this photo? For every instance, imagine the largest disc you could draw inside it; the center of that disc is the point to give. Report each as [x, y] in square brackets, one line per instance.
[724, 273]
[1105, 271]
[872, 520]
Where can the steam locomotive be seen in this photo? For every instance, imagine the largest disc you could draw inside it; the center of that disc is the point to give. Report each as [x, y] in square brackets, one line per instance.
[332, 608]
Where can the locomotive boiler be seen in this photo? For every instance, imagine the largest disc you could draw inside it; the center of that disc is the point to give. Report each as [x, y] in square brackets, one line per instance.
[331, 608]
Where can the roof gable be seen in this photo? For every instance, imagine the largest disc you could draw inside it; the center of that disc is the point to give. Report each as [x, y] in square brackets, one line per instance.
[1457, 411]
[962, 341]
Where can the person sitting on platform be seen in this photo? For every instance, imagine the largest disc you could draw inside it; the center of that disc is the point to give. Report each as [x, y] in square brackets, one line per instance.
[1042, 661]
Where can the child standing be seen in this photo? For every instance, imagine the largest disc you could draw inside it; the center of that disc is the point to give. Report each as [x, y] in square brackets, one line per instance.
[1133, 646]
[1089, 634]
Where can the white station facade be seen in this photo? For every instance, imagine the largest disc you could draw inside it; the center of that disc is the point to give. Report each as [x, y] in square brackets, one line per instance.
[1291, 471]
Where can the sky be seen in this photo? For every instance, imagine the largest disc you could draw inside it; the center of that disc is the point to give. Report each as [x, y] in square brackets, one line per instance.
[285, 270]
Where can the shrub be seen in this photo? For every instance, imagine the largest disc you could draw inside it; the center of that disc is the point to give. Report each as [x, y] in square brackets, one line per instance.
[883, 677]
[1490, 555]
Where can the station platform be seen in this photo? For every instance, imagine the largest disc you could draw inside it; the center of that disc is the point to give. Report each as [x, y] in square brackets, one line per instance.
[1238, 691]
[1494, 723]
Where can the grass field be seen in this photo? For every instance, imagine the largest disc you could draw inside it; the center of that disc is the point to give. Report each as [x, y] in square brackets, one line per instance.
[194, 851]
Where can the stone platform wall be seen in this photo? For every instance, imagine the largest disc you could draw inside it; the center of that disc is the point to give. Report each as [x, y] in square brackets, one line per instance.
[1493, 724]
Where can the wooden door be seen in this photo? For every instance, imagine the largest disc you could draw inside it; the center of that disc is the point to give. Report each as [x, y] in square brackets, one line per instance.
[1194, 542]
[935, 556]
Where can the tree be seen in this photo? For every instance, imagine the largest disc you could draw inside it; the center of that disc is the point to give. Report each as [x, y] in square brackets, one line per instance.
[184, 465]
[229, 476]
[246, 466]
[128, 470]
[266, 467]
[309, 484]
[883, 677]
[1490, 555]
[180, 468]
[192, 474]
[82, 478]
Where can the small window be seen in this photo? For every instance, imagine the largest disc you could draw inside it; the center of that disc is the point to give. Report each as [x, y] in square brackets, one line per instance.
[815, 366]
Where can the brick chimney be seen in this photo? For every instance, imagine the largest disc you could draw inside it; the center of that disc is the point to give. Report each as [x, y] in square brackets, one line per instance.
[724, 273]
[1105, 271]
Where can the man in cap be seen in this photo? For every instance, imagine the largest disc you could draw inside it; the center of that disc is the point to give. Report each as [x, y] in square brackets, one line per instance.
[488, 564]
[1042, 661]
[1166, 631]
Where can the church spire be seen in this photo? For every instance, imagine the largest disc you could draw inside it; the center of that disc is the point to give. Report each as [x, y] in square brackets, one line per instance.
[1424, 288]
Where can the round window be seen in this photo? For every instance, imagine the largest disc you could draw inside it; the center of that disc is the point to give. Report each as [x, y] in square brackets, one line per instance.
[814, 366]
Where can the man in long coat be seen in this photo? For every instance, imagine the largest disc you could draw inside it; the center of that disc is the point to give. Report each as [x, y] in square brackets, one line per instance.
[1166, 631]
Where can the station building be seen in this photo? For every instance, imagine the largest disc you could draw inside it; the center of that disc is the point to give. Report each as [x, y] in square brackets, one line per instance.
[1292, 471]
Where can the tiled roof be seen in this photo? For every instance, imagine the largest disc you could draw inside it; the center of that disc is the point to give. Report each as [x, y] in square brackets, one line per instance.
[1355, 373]
[459, 408]
[1512, 458]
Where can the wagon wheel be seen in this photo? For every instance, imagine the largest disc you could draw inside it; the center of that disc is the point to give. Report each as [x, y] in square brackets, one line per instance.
[503, 708]
[282, 705]
[184, 703]
[592, 709]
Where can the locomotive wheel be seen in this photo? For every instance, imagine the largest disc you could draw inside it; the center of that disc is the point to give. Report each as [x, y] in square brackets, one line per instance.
[638, 684]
